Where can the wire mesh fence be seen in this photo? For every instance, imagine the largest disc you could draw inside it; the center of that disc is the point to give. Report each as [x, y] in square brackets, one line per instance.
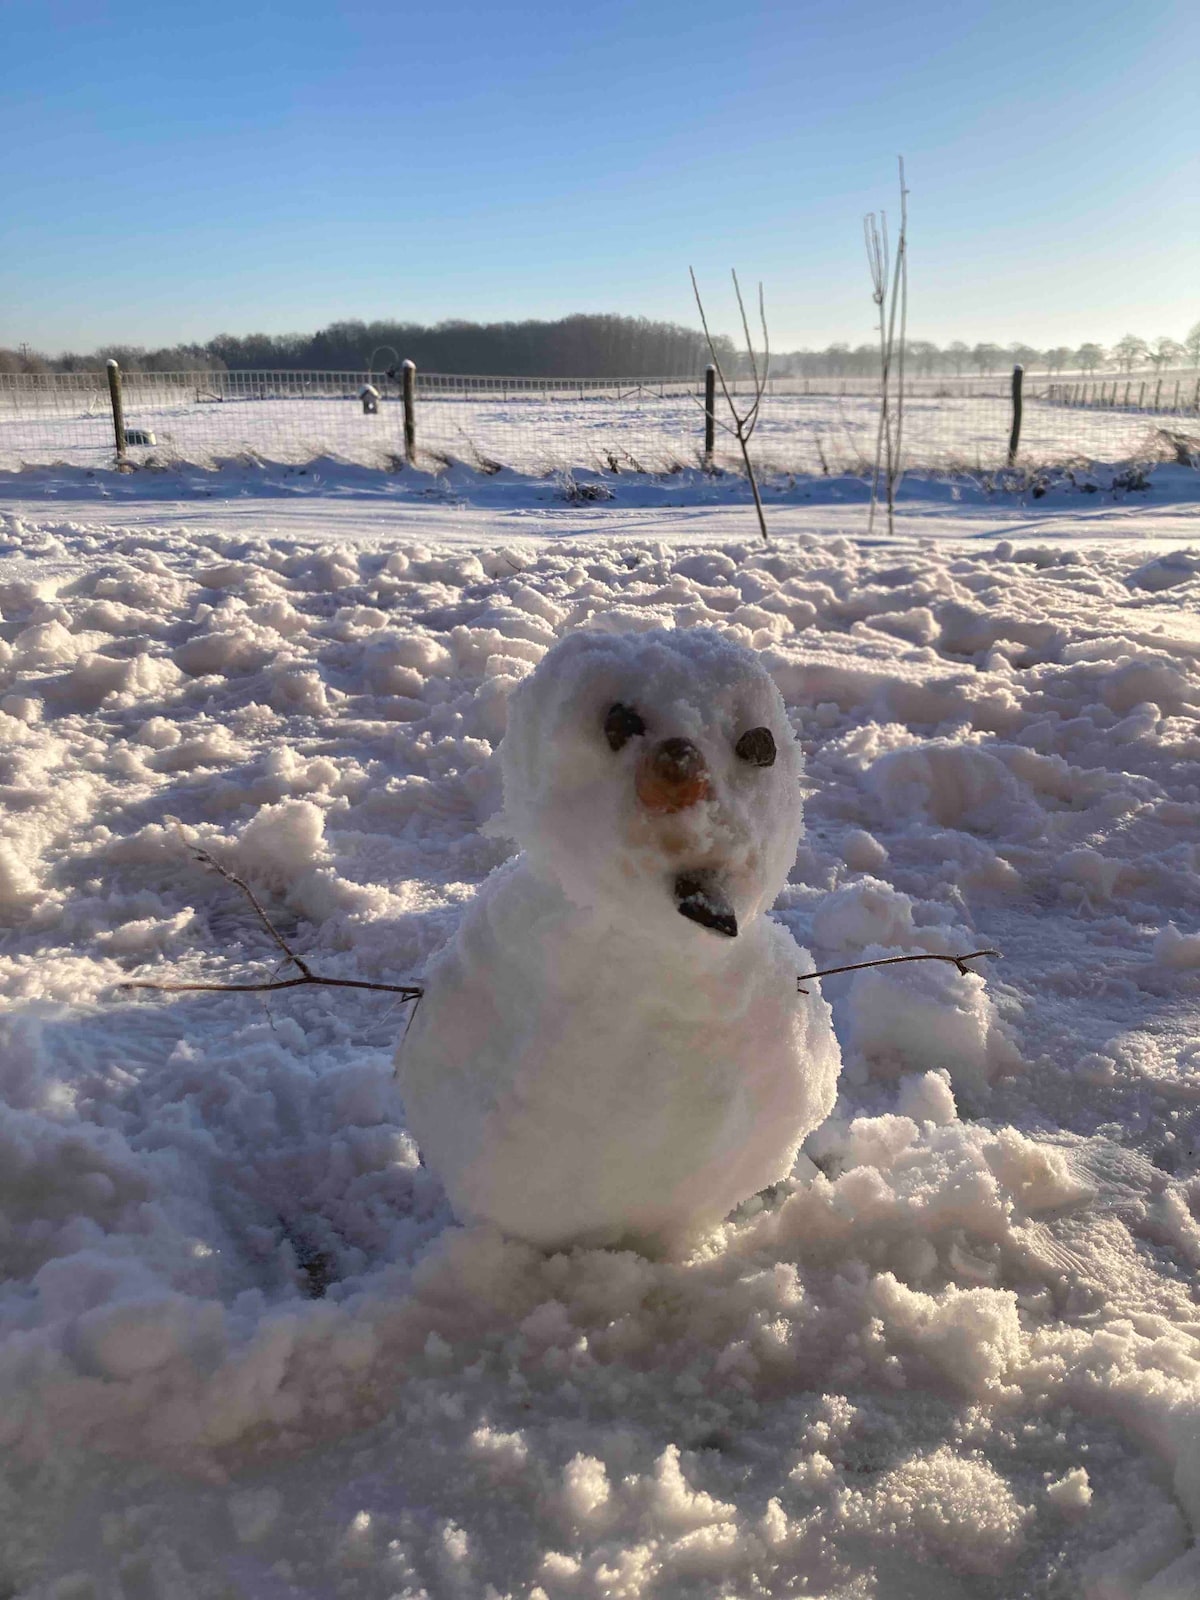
[1176, 394]
[543, 425]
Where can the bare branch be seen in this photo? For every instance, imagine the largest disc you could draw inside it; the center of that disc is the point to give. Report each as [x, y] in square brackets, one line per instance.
[889, 291]
[737, 289]
[408, 991]
[761, 386]
[712, 349]
[891, 961]
[205, 860]
[903, 316]
[743, 425]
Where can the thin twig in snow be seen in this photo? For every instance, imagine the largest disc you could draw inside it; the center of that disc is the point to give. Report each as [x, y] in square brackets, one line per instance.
[743, 424]
[408, 991]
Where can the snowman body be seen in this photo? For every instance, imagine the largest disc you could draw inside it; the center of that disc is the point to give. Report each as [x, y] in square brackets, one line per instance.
[612, 1048]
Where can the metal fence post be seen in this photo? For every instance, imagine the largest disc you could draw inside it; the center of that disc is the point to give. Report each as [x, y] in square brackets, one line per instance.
[409, 376]
[118, 408]
[710, 413]
[1014, 438]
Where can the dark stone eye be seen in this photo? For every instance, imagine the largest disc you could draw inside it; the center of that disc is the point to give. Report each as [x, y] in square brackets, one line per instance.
[757, 745]
[622, 724]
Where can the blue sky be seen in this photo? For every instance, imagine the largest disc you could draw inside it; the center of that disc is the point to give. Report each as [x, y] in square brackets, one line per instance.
[173, 171]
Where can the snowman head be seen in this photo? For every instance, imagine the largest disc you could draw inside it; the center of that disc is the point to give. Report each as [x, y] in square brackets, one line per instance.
[656, 778]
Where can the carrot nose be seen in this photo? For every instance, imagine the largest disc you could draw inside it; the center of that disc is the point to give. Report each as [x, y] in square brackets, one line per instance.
[672, 776]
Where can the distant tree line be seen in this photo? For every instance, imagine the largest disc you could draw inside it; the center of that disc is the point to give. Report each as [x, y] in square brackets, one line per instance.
[925, 359]
[582, 346]
[588, 346]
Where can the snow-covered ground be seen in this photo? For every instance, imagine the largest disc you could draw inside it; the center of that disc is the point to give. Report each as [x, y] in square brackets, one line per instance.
[798, 433]
[244, 1349]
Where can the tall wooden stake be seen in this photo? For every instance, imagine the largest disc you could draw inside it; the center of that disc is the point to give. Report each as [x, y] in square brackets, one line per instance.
[710, 413]
[118, 407]
[409, 373]
[1014, 438]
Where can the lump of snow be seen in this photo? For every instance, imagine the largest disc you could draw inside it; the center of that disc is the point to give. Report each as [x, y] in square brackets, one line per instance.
[130, 1337]
[966, 1339]
[585, 1488]
[675, 1503]
[1071, 1494]
[24, 708]
[927, 1097]
[254, 1512]
[227, 650]
[19, 883]
[1165, 571]
[954, 785]
[867, 912]
[925, 1017]
[1175, 949]
[1121, 1572]
[862, 852]
[952, 1510]
[283, 841]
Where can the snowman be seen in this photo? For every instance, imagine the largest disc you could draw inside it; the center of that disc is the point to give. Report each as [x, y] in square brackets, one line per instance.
[611, 1049]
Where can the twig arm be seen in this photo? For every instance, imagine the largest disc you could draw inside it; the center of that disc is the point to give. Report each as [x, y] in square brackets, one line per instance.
[891, 961]
[408, 991]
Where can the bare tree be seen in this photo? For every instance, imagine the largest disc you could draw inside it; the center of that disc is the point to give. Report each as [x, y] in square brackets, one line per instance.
[1130, 351]
[743, 422]
[889, 290]
[1165, 352]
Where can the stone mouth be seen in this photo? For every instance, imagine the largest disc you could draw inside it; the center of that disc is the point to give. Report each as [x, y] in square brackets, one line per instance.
[700, 897]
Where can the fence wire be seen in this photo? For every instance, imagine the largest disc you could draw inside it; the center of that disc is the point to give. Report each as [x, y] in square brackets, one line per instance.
[545, 425]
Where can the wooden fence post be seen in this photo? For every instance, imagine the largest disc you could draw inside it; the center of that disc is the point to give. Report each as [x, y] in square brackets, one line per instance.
[1157, 393]
[409, 378]
[118, 408]
[1014, 438]
[710, 413]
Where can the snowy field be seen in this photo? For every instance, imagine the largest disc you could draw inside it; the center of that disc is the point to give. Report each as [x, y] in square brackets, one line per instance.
[797, 433]
[244, 1349]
